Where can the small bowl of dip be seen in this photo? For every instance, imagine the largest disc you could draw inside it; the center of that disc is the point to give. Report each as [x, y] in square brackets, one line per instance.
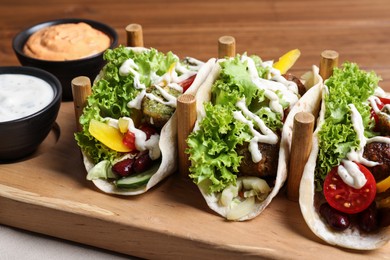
[30, 99]
[67, 48]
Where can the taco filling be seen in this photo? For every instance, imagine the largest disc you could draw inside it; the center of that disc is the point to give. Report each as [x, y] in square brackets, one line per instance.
[235, 145]
[352, 173]
[132, 99]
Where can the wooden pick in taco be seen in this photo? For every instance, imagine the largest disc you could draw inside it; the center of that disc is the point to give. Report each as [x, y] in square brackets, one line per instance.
[129, 137]
[239, 144]
[344, 190]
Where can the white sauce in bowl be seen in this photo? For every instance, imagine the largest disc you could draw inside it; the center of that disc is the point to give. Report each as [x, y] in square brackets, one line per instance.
[22, 95]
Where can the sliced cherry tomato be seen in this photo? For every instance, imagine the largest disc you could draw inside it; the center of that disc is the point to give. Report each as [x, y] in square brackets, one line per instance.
[185, 84]
[149, 130]
[129, 140]
[374, 116]
[385, 101]
[345, 198]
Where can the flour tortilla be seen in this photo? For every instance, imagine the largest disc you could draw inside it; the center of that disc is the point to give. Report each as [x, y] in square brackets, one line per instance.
[167, 144]
[350, 238]
[309, 102]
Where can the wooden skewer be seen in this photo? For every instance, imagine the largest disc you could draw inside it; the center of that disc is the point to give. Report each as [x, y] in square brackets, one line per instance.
[81, 86]
[226, 47]
[81, 89]
[134, 35]
[186, 109]
[329, 60]
[300, 150]
[186, 117]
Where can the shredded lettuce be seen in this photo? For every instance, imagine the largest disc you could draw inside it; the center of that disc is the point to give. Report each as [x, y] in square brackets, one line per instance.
[112, 92]
[212, 148]
[337, 137]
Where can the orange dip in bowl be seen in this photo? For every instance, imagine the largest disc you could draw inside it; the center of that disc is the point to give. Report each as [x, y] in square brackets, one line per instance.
[69, 41]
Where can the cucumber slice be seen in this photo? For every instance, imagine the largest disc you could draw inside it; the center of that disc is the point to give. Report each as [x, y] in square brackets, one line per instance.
[136, 181]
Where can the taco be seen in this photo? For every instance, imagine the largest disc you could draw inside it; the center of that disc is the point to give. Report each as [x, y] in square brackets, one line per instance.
[129, 130]
[344, 190]
[240, 143]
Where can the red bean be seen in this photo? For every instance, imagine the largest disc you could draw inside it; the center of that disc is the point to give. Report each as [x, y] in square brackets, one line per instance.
[336, 219]
[368, 219]
[142, 163]
[124, 168]
[384, 217]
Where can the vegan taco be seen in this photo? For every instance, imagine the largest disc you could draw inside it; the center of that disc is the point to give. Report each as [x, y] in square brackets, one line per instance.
[239, 146]
[128, 136]
[344, 190]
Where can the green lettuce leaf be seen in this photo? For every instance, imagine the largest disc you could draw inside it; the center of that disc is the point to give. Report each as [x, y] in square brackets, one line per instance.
[337, 137]
[112, 92]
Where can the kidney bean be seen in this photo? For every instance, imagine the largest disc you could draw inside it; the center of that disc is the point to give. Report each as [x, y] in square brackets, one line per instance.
[124, 168]
[384, 217]
[336, 219]
[368, 219]
[148, 130]
[142, 163]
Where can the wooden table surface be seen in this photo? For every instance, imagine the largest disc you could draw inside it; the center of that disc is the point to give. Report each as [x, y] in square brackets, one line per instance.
[358, 29]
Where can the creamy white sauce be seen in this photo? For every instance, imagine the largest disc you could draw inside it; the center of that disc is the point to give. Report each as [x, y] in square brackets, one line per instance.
[359, 129]
[350, 173]
[137, 101]
[288, 89]
[266, 135]
[169, 79]
[373, 100]
[129, 66]
[22, 95]
[171, 100]
[379, 92]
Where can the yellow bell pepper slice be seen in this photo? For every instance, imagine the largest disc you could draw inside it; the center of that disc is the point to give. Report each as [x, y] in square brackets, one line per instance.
[383, 185]
[384, 203]
[287, 61]
[108, 135]
[170, 71]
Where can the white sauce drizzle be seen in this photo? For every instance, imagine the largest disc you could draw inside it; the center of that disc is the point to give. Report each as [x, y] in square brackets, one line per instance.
[374, 100]
[22, 95]
[379, 92]
[171, 100]
[266, 135]
[350, 173]
[137, 101]
[129, 66]
[169, 79]
[353, 155]
[288, 89]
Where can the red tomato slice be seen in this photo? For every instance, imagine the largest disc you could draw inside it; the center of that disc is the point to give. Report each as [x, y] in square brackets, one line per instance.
[129, 140]
[345, 198]
[185, 84]
[385, 101]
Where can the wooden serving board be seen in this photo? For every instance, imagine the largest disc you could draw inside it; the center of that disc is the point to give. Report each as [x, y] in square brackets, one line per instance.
[48, 193]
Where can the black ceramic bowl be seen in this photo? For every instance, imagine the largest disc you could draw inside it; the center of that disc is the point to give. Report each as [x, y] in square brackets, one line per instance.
[65, 71]
[21, 137]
